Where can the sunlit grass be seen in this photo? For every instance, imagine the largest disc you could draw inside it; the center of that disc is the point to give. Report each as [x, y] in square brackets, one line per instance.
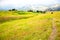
[38, 27]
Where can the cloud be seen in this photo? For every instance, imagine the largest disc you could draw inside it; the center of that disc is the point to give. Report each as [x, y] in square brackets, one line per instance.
[20, 3]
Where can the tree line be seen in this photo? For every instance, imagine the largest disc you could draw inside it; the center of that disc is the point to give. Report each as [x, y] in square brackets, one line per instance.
[37, 11]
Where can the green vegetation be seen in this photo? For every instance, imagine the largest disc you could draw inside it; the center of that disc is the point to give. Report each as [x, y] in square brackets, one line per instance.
[13, 15]
[19, 25]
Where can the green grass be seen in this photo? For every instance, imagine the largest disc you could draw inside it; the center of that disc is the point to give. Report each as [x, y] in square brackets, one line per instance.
[35, 27]
[57, 21]
[14, 15]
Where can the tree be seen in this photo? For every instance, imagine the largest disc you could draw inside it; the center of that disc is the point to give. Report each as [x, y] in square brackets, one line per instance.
[43, 11]
[40, 11]
[9, 9]
[30, 10]
[13, 9]
[37, 11]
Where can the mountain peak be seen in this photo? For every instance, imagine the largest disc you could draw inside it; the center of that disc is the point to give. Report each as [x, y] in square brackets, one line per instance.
[56, 5]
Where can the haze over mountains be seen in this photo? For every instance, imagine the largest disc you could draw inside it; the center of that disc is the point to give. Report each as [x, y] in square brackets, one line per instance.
[55, 7]
[29, 4]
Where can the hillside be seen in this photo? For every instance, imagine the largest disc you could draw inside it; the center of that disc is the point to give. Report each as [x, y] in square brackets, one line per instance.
[36, 27]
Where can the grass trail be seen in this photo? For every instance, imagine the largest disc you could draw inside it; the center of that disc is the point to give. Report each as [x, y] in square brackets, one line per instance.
[54, 31]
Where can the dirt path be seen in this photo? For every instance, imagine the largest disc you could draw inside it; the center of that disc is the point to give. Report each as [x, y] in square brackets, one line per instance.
[54, 31]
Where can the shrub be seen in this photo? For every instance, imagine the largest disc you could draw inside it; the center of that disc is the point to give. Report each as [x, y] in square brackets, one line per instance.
[30, 10]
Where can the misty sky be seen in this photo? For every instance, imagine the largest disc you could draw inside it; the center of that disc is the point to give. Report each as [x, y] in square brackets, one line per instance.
[20, 3]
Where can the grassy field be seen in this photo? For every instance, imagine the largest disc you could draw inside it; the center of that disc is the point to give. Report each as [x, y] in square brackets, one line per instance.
[28, 26]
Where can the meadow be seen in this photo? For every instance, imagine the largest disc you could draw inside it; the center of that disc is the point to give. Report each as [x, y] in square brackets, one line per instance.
[18, 25]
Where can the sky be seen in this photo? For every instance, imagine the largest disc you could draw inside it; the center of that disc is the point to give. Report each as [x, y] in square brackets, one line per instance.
[20, 3]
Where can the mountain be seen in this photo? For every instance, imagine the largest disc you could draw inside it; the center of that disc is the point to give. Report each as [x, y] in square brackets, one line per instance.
[55, 7]
[39, 7]
[34, 7]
